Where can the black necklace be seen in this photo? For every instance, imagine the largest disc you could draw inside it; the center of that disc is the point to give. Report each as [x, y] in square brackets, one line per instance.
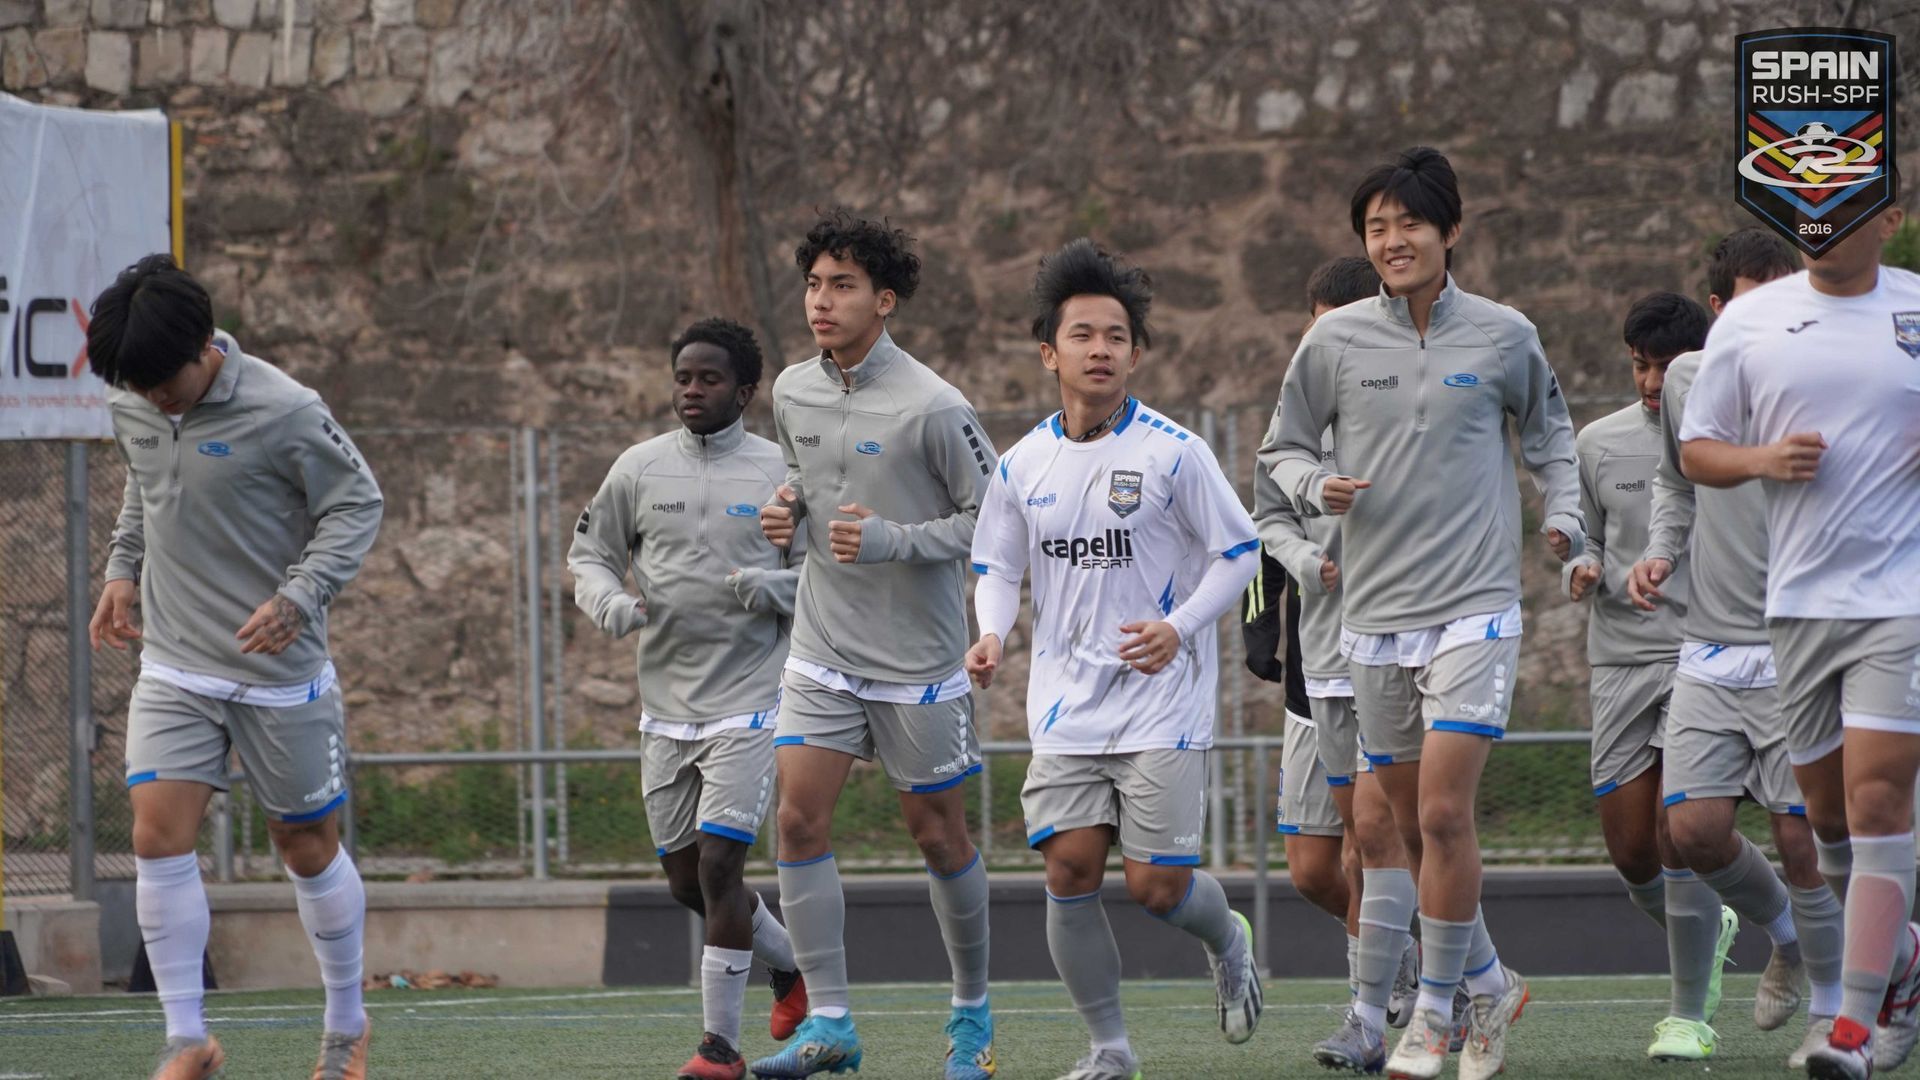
[1100, 428]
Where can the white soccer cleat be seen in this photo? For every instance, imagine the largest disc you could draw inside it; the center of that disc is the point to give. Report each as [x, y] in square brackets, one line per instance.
[1493, 1015]
[1779, 995]
[1422, 1050]
[1899, 1021]
[1237, 990]
[1818, 1030]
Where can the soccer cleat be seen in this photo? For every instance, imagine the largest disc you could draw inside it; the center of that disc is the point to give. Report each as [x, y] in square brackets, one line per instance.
[1462, 1018]
[1899, 1022]
[1818, 1030]
[821, 1044]
[184, 1059]
[1353, 1048]
[1847, 1055]
[1238, 992]
[715, 1060]
[1406, 986]
[1422, 1050]
[1493, 1014]
[970, 1043]
[1729, 929]
[789, 1004]
[344, 1057]
[1106, 1064]
[1779, 995]
[1679, 1039]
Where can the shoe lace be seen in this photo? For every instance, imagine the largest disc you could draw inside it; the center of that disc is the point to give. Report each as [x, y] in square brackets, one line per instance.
[336, 1051]
[966, 1034]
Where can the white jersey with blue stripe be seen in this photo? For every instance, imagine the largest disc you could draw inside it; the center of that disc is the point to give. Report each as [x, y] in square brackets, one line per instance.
[1115, 531]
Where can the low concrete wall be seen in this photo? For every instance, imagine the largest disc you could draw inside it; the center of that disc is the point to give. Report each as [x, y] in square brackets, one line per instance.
[59, 937]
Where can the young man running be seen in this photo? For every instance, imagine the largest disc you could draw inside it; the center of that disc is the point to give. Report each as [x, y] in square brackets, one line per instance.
[885, 464]
[1632, 653]
[247, 510]
[1811, 384]
[1329, 855]
[1724, 736]
[681, 511]
[1418, 385]
[1137, 545]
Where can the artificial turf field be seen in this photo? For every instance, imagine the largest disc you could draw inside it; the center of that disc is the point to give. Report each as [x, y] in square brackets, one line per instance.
[1574, 1028]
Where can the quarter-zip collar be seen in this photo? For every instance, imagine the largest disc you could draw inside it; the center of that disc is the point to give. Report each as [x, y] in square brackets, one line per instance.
[221, 390]
[881, 357]
[719, 444]
[1397, 309]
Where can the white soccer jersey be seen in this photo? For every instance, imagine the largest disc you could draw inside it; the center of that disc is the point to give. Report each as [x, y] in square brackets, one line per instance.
[1115, 531]
[1789, 358]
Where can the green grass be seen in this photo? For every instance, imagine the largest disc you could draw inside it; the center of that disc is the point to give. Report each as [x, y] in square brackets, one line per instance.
[1574, 1029]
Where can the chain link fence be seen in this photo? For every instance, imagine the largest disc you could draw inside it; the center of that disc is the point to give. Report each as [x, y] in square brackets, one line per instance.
[460, 638]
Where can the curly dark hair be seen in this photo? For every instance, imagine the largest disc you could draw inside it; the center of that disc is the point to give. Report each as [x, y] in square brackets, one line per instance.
[739, 342]
[1082, 269]
[879, 248]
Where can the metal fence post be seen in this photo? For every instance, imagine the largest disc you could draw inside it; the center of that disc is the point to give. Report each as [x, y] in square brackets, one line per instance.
[80, 732]
[1216, 795]
[222, 836]
[556, 537]
[536, 683]
[1261, 887]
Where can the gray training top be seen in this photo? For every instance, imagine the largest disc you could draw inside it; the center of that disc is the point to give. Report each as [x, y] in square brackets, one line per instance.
[683, 511]
[903, 443]
[257, 491]
[1437, 536]
[1728, 527]
[1618, 454]
[1298, 544]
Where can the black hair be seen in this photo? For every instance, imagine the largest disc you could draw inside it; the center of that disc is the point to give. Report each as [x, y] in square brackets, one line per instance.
[1339, 282]
[1081, 269]
[739, 342]
[1754, 252]
[1420, 179]
[152, 321]
[1662, 325]
[878, 247]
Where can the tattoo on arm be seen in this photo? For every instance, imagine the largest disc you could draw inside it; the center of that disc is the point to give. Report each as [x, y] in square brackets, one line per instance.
[285, 622]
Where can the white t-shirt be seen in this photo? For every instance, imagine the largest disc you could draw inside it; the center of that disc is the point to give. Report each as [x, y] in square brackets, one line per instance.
[1417, 648]
[1785, 358]
[1118, 530]
[213, 686]
[1736, 667]
[956, 684]
[680, 731]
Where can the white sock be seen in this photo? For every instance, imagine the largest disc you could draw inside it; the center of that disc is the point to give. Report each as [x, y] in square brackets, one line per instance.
[1491, 981]
[771, 945]
[171, 905]
[1781, 930]
[723, 990]
[830, 1012]
[1825, 1000]
[1374, 1016]
[333, 908]
[969, 1003]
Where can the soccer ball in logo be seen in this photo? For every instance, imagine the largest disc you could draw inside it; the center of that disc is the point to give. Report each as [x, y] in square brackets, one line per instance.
[1816, 134]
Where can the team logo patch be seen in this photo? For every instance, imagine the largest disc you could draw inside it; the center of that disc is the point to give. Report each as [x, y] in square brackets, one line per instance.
[869, 448]
[1814, 130]
[1906, 332]
[1463, 379]
[1123, 492]
[215, 449]
[743, 510]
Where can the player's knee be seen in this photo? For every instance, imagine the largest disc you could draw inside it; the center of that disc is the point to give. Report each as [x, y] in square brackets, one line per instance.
[943, 843]
[307, 848]
[1321, 881]
[802, 832]
[687, 893]
[162, 839]
[1877, 806]
[1159, 893]
[721, 867]
[1446, 822]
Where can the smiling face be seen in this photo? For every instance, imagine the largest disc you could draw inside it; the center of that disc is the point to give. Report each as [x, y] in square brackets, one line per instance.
[1093, 351]
[844, 310]
[707, 396]
[1409, 254]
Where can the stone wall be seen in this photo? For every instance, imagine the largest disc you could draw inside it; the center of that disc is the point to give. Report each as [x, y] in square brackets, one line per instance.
[494, 212]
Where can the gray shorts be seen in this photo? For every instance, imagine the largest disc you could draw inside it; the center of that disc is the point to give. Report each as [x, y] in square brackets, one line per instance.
[1306, 800]
[1629, 710]
[1837, 673]
[717, 785]
[295, 757]
[923, 748]
[1336, 736]
[1156, 798]
[1723, 743]
[1468, 688]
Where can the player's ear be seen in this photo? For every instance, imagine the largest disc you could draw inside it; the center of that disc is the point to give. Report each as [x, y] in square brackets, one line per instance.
[1134, 361]
[1049, 359]
[745, 394]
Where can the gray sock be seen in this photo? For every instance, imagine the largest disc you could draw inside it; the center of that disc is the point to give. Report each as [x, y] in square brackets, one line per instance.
[1835, 861]
[771, 945]
[1749, 886]
[1817, 916]
[816, 912]
[1649, 896]
[1693, 933]
[1483, 974]
[960, 904]
[1878, 945]
[1088, 960]
[1444, 945]
[1205, 915]
[1387, 902]
[1353, 965]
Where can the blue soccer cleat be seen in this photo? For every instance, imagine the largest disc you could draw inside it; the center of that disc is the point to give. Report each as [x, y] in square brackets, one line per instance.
[822, 1044]
[970, 1043]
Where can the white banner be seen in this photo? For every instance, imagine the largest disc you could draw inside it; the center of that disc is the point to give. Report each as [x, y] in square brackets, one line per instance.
[83, 195]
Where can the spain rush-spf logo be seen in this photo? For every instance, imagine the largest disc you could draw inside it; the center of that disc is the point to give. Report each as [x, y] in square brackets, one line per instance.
[1814, 130]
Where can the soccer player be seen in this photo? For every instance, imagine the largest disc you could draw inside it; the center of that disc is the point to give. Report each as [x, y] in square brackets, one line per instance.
[1633, 655]
[682, 511]
[1418, 385]
[885, 464]
[1329, 855]
[1811, 384]
[1724, 736]
[247, 510]
[1137, 545]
